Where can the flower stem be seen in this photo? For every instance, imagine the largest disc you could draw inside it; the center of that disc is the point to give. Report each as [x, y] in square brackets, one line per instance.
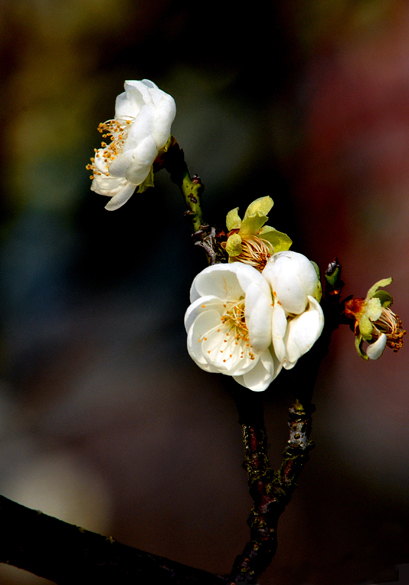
[205, 236]
[191, 187]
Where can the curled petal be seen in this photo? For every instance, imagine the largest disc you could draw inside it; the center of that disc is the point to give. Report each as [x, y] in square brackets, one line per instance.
[202, 324]
[108, 186]
[260, 377]
[200, 306]
[142, 160]
[164, 116]
[219, 280]
[279, 329]
[375, 350]
[292, 277]
[121, 197]
[258, 307]
[303, 331]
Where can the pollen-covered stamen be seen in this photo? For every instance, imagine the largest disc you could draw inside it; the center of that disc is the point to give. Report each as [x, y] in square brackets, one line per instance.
[235, 329]
[117, 132]
[255, 251]
[390, 324]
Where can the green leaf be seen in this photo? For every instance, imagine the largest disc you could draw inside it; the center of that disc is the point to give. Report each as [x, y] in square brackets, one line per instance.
[233, 220]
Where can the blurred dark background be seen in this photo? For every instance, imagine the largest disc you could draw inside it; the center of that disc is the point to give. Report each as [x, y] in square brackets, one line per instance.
[104, 420]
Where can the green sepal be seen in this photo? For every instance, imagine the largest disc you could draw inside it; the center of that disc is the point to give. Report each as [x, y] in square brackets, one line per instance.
[233, 245]
[252, 224]
[148, 182]
[365, 327]
[280, 241]
[385, 298]
[168, 143]
[233, 219]
[373, 309]
[317, 269]
[374, 288]
[358, 344]
[262, 205]
[318, 292]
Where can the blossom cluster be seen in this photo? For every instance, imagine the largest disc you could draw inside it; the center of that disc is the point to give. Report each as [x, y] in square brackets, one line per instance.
[258, 313]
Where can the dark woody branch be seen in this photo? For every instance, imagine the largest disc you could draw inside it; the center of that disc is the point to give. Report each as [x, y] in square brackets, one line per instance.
[67, 554]
[271, 491]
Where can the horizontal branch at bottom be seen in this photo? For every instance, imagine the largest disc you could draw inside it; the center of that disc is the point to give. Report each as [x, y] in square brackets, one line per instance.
[67, 554]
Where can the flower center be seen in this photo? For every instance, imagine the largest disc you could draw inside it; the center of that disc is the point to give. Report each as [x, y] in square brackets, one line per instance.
[117, 132]
[236, 329]
[255, 251]
[390, 324]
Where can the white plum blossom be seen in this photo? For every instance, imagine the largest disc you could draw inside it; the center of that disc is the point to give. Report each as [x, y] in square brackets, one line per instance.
[229, 324]
[297, 317]
[140, 129]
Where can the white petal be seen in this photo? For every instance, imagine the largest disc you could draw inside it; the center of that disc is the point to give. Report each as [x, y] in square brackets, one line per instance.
[121, 197]
[142, 160]
[164, 116]
[201, 305]
[142, 127]
[303, 331]
[258, 308]
[219, 280]
[129, 103]
[108, 186]
[201, 326]
[120, 164]
[292, 277]
[279, 329]
[260, 377]
[375, 350]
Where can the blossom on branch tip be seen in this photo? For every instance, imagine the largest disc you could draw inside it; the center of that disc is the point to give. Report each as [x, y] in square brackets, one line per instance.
[139, 131]
[297, 317]
[229, 324]
[375, 323]
[251, 241]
